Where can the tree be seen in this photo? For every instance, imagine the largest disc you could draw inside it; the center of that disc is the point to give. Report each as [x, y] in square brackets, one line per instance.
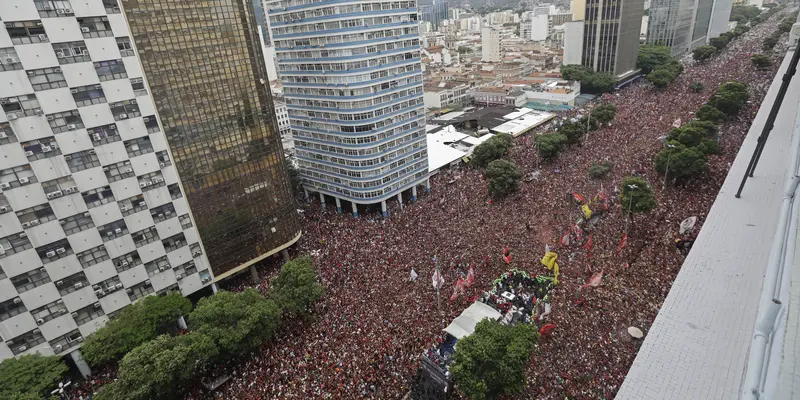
[295, 181]
[599, 83]
[157, 369]
[136, 324]
[760, 61]
[464, 49]
[728, 102]
[604, 113]
[703, 52]
[707, 112]
[492, 149]
[30, 375]
[236, 322]
[549, 145]
[696, 87]
[740, 30]
[785, 26]
[770, 42]
[573, 131]
[719, 42]
[504, 177]
[680, 162]
[492, 361]
[660, 78]
[296, 287]
[708, 127]
[652, 56]
[575, 72]
[599, 170]
[636, 195]
[585, 122]
[687, 136]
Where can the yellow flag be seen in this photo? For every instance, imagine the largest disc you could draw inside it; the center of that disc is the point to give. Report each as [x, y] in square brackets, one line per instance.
[549, 261]
[587, 212]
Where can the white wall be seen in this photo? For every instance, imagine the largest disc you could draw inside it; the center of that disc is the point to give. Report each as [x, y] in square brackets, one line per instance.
[720, 14]
[573, 42]
[539, 27]
[269, 58]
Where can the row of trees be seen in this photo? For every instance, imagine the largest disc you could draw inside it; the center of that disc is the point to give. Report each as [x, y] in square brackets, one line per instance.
[685, 154]
[504, 176]
[550, 145]
[591, 81]
[659, 66]
[784, 27]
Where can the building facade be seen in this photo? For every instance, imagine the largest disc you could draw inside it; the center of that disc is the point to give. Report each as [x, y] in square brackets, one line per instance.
[490, 45]
[352, 82]
[670, 23]
[103, 197]
[573, 43]
[701, 22]
[720, 15]
[611, 35]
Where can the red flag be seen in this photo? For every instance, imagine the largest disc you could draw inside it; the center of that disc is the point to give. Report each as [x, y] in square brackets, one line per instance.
[588, 245]
[505, 251]
[470, 275]
[595, 280]
[458, 288]
[622, 243]
[577, 196]
[507, 259]
[545, 330]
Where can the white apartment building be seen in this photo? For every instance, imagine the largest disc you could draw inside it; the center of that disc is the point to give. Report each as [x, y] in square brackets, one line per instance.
[446, 94]
[490, 45]
[92, 214]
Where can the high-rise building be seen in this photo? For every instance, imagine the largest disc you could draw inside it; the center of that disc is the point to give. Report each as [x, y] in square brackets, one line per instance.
[573, 42]
[352, 82]
[701, 22]
[490, 45]
[138, 156]
[611, 35]
[720, 15]
[433, 11]
[578, 9]
[670, 23]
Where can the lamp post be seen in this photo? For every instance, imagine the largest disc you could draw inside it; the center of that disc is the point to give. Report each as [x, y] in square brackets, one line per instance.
[60, 389]
[669, 157]
[630, 205]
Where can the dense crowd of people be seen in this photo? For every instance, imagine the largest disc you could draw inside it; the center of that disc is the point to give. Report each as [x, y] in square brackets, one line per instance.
[366, 335]
[374, 321]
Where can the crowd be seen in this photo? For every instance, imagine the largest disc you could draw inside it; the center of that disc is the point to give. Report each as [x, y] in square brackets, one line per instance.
[374, 322]
[366, 335]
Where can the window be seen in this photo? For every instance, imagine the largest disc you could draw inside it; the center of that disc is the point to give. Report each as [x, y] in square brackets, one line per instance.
[97, 197]
[21, 106]
[35, 215]
[26, 341]
[65, 121]
[9, 60]
[104, 134]
[127, 261]
[26, 32]
[151, 123]
[107, 286]
[119, 171]
[41, 149]
[72, 283]
[175, 191]
[138, 291]
[125, 109]
[49, 311]
[30, 280]
[163, 159]
[88, 95]
[53, 8]
[138, 87]
[156, 266]
[59, 187]
[87, 314]
[47, 78]
[113, 230]
[93, 256]
[11, 308]
[151, 181]
[163, 213]
[174, 242]
[195, 249]
[125, 47]
[185, 270]
[13, 244]
[132, 205]
[174, 288]
[2, 274]
[71, 52]
[95, 27]
[77, 223]
[16, 177]
[145, 236]
[82, 160]
[54, 251]
[186, 221]
[7, 134]
[110, 70]
[66, 341]
[111, 6]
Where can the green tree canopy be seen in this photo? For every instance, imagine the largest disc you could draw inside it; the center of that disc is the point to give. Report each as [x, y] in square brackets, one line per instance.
[683, 162]
[696, 87]
[503, 176]
[599, 83]
[136, 324]
[575, 72]
[604, 113]
[661, 78]
[636, 195]
[719, 42]
[687, 135]
[492, 361]
[704, 52]
[652, 56]
[492, 149]
[708, 127]
[157, 369]
[601, 169]
[573, 131]
[549, 145]
[730, 98]
[236, 322]
[296, 288]
[707, 112]
[760, 61]
[770, 42]
[30, 375]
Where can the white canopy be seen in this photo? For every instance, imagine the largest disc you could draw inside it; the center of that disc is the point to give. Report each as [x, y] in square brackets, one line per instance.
[465, 323]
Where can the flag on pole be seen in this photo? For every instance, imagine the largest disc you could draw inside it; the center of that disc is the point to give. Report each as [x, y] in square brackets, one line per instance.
[413, 275]
[622, 243]
[470, 275]
[438, 279]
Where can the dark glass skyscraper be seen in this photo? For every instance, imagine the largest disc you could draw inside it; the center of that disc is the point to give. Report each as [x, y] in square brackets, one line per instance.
[203, 62]
[611, 35]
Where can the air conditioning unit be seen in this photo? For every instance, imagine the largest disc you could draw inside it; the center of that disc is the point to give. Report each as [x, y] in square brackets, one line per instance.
[79, 339]
[24, 180]
[50, 117]
[92, 151]
[96, 305]
[162, 268]
[123, 116]
[147, 282]
[59, 283]
[28, 153]
[71, 189]
[60, 54]
[43, 38]
[179, 276]
[118, 286]
[128, 170]
[124, 208]
[26, 225]
[162, 165]
[21, 349]
[31, 73]
[39, 321]
[73, 91]
[23, 234]
[74, 315]
[47, 149]
[142, 204]
[17, 300]
[96, 137]
[55, 194]
[87, 215]
[204, 280]
[143, 184]
[11, 116]
[112, 127]
[168, 213]
[129, 290]
[37, 331]
[59, 11]
[98, 87]
[109, 233]
[3, 209]
[5, 185]
[62, 222]
[58, 348]
[56, 69]
[42, 270]
[84, 29]
[38, 111]
[50, 253]
[118, 231]
[158, 180]
[72, 127]
[125, 264]
[61, 250]
[161, 215]
[146, 119]
[105, 169]
[67, 11]
[78, 285]
[197, 253]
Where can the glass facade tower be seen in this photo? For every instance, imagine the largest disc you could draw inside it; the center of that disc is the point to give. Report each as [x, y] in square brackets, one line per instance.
[352, 81]
[204, 65]
[670, 24]
[611, 35]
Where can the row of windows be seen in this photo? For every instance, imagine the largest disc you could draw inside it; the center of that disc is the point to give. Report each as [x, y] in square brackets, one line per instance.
[343, 92]
[348, 37]
[335, 10]
[366, 22]
[352, 79]
[346, 104]
[349, 66]
[349, 52]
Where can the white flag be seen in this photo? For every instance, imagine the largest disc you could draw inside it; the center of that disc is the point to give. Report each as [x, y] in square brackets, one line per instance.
[413, 275]
[438, 280]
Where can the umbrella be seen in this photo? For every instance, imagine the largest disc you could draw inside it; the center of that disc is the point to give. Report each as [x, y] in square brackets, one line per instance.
[635, 332]
[687, 225]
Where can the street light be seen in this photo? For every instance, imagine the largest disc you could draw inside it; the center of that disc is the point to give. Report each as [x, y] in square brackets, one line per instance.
[630, 205]
[669, 157]
[60, 390]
